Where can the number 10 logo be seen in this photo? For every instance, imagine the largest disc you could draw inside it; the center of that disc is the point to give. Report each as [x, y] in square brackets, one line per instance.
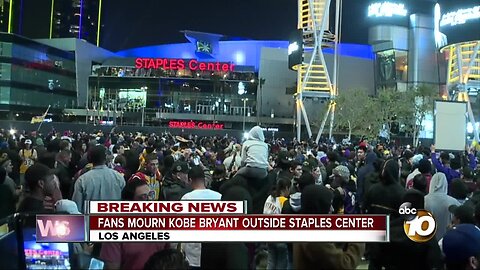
[421, 228]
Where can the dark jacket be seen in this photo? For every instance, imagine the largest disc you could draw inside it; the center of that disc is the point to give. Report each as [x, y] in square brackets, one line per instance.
[224, 256]
[65, 179]
[173, 190]
[293, 205]
[403, 253]
[326, 256]
[405, 171]
[259, 190]
[329, 168]
[30, 204]
[7, 201]
[362, 174]
[386, 196]
[229, 255]
[370, 180]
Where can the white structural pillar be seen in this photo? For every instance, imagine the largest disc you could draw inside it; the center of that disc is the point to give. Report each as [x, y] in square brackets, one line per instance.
[313, 77]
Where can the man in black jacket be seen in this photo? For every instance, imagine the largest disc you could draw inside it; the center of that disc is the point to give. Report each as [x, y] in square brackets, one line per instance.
[175, 184]
[403, 253]
[362, 173]
[62, 171]
[229, 255]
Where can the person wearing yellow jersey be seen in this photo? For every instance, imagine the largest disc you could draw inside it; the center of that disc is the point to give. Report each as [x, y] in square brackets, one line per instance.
[150, 174]
[277, 252]
[150, 148]
[28, 155]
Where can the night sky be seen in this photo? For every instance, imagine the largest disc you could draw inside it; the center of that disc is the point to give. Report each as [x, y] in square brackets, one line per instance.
[129, 24]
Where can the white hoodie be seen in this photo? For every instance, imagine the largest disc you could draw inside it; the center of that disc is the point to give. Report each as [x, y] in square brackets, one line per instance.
[255, 150]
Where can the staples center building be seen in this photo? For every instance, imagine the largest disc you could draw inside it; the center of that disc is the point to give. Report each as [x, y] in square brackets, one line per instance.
[209, 82]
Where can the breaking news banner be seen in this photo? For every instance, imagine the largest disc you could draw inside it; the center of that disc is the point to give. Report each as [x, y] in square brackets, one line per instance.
[204, 221]
[171, 207]
[238, 228]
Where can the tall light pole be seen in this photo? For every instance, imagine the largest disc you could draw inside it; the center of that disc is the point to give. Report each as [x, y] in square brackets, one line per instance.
[244, 111]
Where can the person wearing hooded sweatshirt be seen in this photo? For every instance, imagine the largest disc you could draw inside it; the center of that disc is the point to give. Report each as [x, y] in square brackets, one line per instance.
[403, 253]
[362, 174]
[318, 200]
[384, 197]
[254, 155]
[437, 202]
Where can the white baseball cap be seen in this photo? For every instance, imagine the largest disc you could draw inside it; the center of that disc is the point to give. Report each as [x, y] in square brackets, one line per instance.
[67, 206]
[28, 141]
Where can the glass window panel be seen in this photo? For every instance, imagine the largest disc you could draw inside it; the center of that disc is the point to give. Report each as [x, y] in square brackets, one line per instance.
[391, 66]
[32, 98]
[36, 56]
[385, 66]
[42, 78]
[4, 95]
[401, 66]
[5, 49]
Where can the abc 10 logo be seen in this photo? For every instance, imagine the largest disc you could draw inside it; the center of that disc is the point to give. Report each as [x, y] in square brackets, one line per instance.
[419, 225]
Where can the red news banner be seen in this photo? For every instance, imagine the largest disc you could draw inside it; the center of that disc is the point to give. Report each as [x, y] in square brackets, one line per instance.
[215, 221]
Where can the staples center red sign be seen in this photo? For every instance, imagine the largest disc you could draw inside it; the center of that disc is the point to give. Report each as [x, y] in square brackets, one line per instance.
[178, 64]
[195, 124]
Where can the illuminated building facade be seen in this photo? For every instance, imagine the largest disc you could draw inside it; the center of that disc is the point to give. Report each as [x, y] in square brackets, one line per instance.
[40, 19]
[457, 34]
[207, 83]
[402, 35]
[34, 76]
[227, 82]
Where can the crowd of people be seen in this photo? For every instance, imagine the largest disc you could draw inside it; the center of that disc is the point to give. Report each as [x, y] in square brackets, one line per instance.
[43, 173]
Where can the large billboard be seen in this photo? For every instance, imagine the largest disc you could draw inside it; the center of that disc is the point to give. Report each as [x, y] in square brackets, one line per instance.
[459, 21]
[450, 123]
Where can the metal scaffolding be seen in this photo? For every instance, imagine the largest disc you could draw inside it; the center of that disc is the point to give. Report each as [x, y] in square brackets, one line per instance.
[463, 73]
[313, 79]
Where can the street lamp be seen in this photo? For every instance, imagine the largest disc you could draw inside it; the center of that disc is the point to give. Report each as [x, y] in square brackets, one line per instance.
[244, 111]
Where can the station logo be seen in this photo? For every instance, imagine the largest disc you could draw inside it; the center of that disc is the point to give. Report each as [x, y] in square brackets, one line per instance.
[419, 225]
[60, 228]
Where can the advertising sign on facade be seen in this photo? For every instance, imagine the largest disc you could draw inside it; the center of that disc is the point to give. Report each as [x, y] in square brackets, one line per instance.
[179, 64]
